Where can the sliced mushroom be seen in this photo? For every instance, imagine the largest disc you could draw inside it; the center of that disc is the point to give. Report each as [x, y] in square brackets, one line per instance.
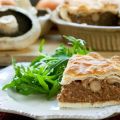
[113, 80]
[28, 33]
[64, 14]
[86, 82]
[26, 4]
[95, 86]
[95, 17]
[8, 25]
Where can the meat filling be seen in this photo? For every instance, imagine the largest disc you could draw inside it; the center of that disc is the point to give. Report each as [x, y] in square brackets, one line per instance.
[77, 92]
[102, 19]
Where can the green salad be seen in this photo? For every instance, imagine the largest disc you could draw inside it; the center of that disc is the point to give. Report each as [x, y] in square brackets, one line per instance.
[44, 74]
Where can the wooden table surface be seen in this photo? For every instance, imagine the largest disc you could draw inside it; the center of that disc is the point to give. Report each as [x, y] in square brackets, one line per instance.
[27, 55]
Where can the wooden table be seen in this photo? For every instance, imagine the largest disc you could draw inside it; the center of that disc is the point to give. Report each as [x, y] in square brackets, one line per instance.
[52, 42]
[27, 55]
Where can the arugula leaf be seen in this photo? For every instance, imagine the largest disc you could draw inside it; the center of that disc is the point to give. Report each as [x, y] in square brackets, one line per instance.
[77, 47]
[44, 74]
[37, 59]
[42, 82]
[41, 45]
[54, 90]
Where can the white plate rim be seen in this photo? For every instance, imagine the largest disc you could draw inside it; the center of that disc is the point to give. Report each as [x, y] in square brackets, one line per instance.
[9, 105]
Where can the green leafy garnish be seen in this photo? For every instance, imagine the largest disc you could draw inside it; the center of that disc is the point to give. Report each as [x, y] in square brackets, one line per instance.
[41, 45]
[44, 74]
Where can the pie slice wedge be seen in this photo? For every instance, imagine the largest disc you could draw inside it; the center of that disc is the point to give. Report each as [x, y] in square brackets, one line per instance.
[90, 81]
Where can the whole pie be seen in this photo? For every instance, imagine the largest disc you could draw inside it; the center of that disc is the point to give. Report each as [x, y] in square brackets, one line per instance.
[90, 81]
[92, 12]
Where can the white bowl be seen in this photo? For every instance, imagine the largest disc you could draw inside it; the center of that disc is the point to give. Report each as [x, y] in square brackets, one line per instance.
[45, 22]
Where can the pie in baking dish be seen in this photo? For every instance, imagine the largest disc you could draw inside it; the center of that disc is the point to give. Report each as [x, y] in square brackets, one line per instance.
[90, 81]
[92, 12]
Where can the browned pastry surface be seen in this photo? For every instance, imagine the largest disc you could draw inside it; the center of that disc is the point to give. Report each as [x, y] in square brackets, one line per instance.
[93, 12]
[92, 65]
[90, 81]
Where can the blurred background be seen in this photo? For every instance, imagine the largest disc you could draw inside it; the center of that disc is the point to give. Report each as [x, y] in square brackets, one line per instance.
[23, 23]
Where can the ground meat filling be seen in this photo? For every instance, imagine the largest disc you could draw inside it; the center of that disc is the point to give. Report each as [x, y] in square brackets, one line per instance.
[102, 19]
[76, 92]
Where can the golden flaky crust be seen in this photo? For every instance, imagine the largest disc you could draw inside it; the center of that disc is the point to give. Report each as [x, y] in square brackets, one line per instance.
[91, 6]
[88, 105]
[88, 7]
[92, 65]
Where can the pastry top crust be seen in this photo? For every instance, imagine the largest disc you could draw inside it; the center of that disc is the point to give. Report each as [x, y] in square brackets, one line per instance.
[92, 65]
[91, 6]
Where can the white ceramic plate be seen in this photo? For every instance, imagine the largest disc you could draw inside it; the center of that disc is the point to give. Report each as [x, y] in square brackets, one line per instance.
[37, 107]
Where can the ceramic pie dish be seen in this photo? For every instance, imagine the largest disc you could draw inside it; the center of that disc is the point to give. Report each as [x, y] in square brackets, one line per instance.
[101, 38]
[91, 12]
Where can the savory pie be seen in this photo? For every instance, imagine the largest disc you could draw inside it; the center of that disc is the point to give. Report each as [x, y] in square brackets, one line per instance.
[93, 12]
[90, 81]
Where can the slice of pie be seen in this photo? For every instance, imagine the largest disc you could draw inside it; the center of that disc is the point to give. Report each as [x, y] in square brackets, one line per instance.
[90, 81]
[92, 12]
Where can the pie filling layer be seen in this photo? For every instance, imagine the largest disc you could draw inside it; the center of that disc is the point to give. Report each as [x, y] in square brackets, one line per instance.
[103, 19]
[90, 91]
